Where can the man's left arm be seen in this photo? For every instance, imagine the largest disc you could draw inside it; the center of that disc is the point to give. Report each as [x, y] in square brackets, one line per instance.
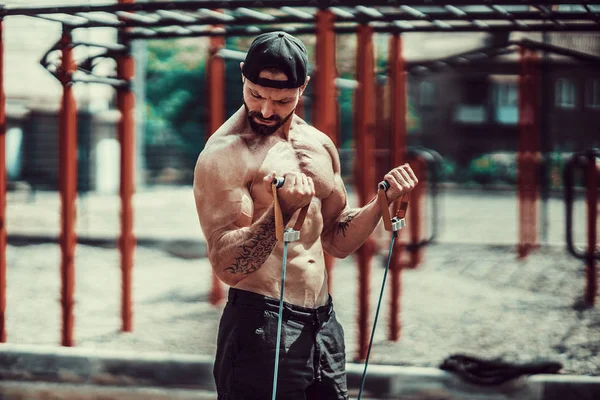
[345, 229]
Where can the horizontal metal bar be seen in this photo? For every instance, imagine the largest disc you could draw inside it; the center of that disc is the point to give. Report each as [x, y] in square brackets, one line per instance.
[560, 50]
[455, 61]
[230, 32]
[101, 19]
[229, 54]
[145, 32]
[389, 28]
[451, 13]
[141, 19]
[341, 14]
[537, 27]
[110, 46]
[219, 16]
[176, 16]
[259, 16]
[246, 20]
[369, 11]
[233, 4]
[305, 16]
[114, 82]
[65, 22]
[596, 15]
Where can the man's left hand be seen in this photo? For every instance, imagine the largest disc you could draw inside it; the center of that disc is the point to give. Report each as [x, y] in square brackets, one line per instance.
[402, 180]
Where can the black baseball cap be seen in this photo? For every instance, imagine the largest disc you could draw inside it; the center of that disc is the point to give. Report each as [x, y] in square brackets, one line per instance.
[278, 50]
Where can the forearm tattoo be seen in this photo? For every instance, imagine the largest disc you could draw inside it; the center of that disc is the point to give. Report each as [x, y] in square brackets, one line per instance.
[344, 222]
[254, 253]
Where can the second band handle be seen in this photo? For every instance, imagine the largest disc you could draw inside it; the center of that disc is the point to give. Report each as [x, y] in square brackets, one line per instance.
[382, 188]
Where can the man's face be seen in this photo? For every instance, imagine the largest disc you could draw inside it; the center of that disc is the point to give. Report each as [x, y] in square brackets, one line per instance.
[268, 109]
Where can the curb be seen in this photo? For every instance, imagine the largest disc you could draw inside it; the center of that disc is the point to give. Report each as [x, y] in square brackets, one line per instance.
[19, 390]
[118, 369]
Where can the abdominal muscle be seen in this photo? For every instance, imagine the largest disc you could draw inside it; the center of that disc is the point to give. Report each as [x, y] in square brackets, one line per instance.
[306, 276]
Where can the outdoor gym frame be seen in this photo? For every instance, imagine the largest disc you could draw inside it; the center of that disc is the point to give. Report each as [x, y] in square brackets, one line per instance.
[217, 19]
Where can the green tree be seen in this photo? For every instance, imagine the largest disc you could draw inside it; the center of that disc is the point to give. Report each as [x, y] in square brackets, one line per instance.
[175, 100]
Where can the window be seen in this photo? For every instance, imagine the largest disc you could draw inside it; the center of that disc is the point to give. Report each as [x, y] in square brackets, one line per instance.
[565, 93]
[427, 94]
[470, 114]
[505, 94]
[592, 95]
[506, 102]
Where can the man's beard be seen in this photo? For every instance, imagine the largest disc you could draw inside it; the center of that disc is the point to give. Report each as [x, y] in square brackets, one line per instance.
[265, 130]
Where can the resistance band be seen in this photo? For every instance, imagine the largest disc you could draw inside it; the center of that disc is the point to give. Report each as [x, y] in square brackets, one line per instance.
[391, 225]
[288, 235]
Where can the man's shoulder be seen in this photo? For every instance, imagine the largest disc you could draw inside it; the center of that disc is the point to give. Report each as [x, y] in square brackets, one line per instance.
[229, 139]
[222, 141]
[225, 148]
[315, 133]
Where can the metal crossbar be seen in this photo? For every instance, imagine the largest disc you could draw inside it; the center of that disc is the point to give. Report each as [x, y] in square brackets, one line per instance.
[153, 20]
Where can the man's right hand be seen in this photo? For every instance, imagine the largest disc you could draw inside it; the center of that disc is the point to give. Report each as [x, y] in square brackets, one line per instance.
[296, 192]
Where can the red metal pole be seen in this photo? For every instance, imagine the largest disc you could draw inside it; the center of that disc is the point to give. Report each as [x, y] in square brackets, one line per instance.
[2, 193]
[416, 210]
[397, 77]
[126, 133]
[364, 171]
[535, 148]
[591, 272]
[528, 156]
[524, 126]
[215, 75]
[68, 187]
[325, 105]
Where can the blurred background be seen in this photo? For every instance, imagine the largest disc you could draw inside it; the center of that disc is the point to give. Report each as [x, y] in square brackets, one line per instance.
[468, 113]
[462, 105]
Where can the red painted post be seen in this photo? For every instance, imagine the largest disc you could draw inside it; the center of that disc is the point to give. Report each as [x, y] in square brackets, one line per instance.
[364, 169]
[536, 146]
[591, 271]
[325, 105]
[416, 210]
[528, 156]
[522, 156]
[397, 77]
[67, 177]
[2, 193]
[215, 74]
[126, 134]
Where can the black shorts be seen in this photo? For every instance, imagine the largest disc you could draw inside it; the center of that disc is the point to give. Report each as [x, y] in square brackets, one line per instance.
[312, 354]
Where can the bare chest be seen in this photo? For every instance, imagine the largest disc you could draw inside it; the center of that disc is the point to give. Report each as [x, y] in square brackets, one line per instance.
[307, 157]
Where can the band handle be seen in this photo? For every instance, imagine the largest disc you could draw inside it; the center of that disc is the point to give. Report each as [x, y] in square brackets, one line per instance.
[276, 183]
[382, 188]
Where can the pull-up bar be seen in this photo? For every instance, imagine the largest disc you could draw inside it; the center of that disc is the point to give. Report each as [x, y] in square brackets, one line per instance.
[409, 16]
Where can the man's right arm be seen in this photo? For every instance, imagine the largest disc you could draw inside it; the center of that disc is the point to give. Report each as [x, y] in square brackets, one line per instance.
[236, 246]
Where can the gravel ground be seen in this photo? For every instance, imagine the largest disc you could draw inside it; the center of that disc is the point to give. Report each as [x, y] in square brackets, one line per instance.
[464, 298]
